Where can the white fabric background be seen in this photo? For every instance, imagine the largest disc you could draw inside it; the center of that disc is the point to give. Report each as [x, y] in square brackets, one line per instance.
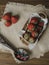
[11, 33]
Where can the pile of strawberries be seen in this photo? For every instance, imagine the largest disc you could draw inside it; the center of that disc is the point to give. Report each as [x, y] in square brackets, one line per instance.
[9, 19]
[35, 24]
[33, 29]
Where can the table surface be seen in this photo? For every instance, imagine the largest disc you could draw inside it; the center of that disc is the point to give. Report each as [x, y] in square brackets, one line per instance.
[7, 59]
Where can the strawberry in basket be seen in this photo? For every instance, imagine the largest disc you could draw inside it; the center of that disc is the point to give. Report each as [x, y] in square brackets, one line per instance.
[35, 26]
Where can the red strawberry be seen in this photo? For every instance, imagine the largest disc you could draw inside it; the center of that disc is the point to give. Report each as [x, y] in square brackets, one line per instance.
[7, 16]
[30, 27]
[34, 20]
[14, 19]
[39, 29]
[34, 34]
[41, 23]
[7, 23]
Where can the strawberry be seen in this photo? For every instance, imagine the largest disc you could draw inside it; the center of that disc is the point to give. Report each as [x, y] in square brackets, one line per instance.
[41, 24]
[30, 27]
[14, 19]
[7, 16]
[34, 34]
[39, 29]
[31, 39]
[34, 20]
[7, 23]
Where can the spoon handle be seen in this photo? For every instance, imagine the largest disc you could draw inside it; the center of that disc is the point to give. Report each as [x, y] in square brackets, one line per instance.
[7, 42]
